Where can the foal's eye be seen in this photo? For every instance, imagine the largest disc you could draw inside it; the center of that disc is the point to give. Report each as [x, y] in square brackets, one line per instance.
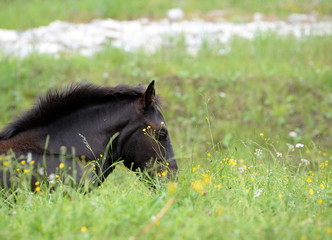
[161, 135]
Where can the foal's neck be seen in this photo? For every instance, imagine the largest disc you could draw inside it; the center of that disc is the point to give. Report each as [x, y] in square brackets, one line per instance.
[87, 131]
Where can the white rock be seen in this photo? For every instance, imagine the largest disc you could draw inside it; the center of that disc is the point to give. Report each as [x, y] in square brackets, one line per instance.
[175, 14]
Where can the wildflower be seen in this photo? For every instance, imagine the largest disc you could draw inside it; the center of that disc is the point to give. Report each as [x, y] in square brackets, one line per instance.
[232, 162]
[51, 178]
[292, 134]
[258, 152]
[222, 94]
[198, 186]
[279, 154]
[26, 170]
[299, 145]
[280, 195]
[194, 169]
[217, 186]
[309, 180]
[164, 173]
[61, 165]
[162, 123]
[307, 151]
[23, 162]
[171, 188]
[17, 169]
[305, 161]
[144, 130]
[209, 154]
[37, 183]
[320, 201]
[206, 178]
[258, 192]
[37, 189]
[84, 229]
[329, 230]
[311, 191]
[321, 186]
[261, 134]
[290, 147]
[100, 155]
[155, 220]
[32, 162]
[41, 171]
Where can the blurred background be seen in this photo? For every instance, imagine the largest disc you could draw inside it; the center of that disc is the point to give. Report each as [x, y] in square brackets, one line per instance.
[228, 71]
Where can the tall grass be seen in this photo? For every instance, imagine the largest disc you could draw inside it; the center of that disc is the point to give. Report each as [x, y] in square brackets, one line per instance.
[20, 14]
[237, 122]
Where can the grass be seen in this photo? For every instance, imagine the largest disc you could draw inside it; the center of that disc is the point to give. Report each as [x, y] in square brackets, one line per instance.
[226, 188]
[230, 118]
[41, 12]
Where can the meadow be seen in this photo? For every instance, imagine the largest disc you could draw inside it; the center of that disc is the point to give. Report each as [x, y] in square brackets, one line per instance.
[250, 129]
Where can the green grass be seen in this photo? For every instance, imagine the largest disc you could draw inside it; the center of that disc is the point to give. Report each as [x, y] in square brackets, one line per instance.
[20, 14]
[272, 85]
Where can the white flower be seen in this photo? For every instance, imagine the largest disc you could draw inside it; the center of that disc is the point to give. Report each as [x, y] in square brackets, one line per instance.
[29, 157]
[290, 147]
[279, 154]
[292, 134]
[222, 94]
[258, 152]
[299, 145]
[305, 161]
[51, 178]
[41, 171]
[258, 192]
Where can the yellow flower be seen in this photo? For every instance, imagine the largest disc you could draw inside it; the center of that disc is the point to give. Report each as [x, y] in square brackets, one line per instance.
[5, 163]
[62, 165]
[321, 186]
[218, 186]
[84, 229]
[37, 189]
[164, 173]
[209, 154]
[232, 162]
[194, 169]
[171, 188]
[198, 186]
[261, 134]
[206, 178]
[309, 180]
[311, 191]
[162, 123]
[280, 195]
[320, 201]
[26, 170]
[37, 183]
[32, 162]
[23, 162]
[329, 230]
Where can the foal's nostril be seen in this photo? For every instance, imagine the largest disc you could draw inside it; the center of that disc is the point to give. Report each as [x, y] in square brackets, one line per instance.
[173, 167]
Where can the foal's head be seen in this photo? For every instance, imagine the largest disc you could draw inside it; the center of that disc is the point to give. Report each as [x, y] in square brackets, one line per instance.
[145, 142]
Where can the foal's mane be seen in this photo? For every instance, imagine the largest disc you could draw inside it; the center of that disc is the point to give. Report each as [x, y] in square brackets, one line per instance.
[59, 103]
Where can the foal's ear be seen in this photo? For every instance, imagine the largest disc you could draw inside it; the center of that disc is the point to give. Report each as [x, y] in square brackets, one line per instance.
[149, 96]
